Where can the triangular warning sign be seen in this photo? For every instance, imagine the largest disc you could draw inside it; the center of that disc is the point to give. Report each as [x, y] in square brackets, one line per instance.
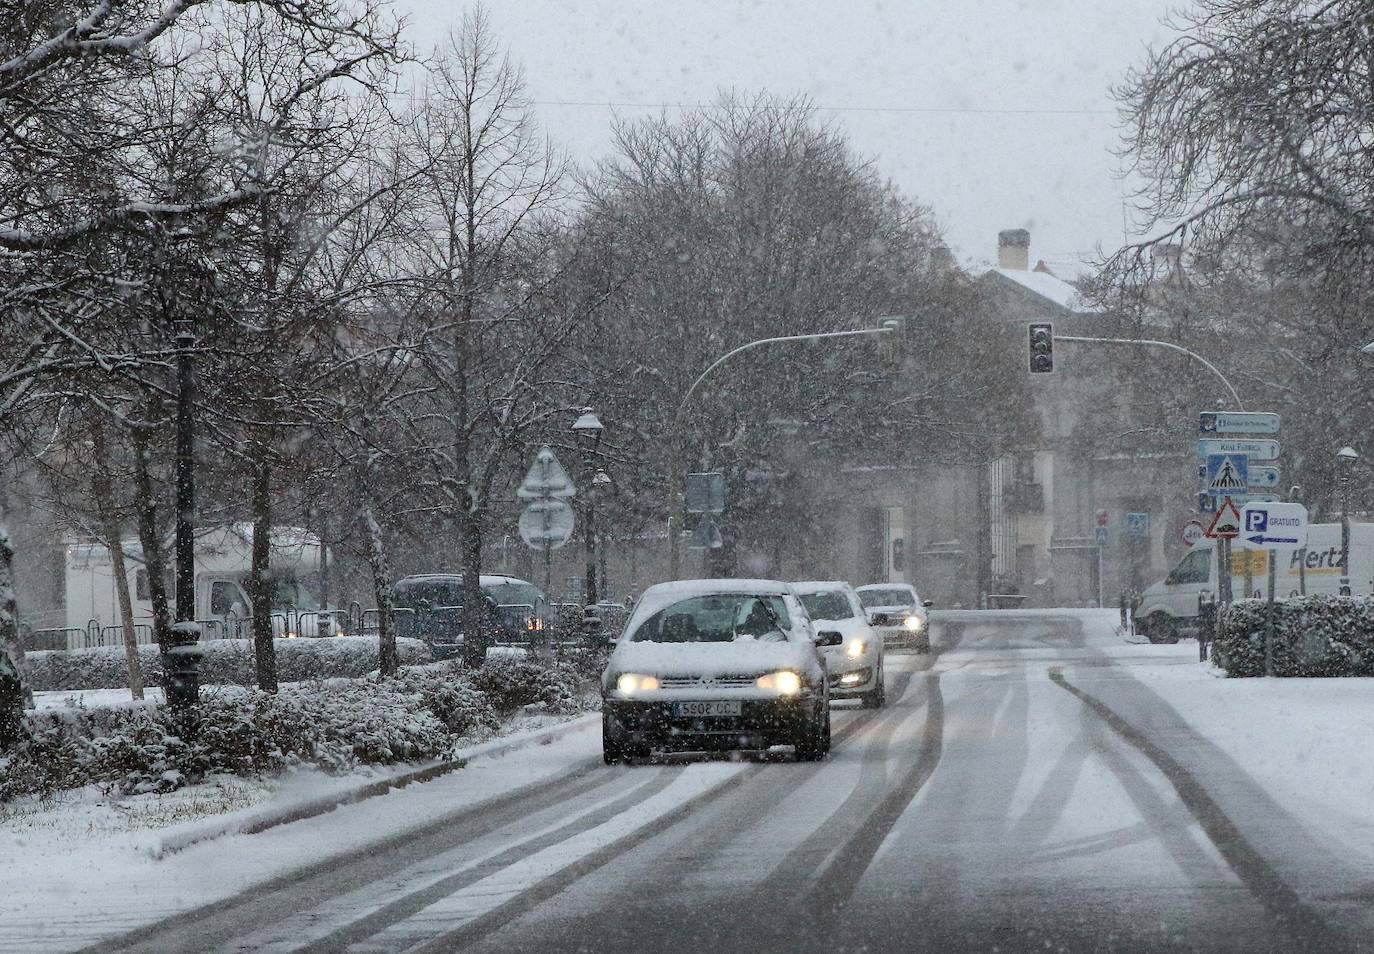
[1228, 478]
[546, 478]
[1227, 521]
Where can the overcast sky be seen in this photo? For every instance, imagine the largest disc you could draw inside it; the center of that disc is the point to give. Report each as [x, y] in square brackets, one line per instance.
[997, 114]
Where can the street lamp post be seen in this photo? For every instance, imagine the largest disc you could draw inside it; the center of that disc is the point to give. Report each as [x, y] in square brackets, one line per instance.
[588, 430]
[181, 656]
[1346, 457]
[601, 483]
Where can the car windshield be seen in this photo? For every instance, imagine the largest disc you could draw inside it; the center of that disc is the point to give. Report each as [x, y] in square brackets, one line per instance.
[723, 618]
[436, 592]
[895, 596]
[513, 593]
[831, 604]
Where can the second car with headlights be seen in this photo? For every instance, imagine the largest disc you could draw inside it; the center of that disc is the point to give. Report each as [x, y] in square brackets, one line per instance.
[855, 667]
[717, 665]
[897, 614]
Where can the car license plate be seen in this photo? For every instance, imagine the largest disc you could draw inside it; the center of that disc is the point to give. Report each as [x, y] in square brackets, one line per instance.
[714, 708]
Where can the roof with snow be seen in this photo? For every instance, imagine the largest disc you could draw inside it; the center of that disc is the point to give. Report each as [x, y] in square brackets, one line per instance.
[1045, 285]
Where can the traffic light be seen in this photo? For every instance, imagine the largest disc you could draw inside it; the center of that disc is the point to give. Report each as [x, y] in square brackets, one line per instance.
[1041, 340]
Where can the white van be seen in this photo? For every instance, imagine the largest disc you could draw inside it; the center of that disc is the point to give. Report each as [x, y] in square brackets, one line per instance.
[1169, 608]
[223, 561]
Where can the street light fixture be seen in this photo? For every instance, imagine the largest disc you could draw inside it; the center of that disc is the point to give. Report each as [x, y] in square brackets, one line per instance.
[588, 429]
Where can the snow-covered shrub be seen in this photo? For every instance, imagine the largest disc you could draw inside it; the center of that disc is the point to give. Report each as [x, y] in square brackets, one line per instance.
[444, 690]
[512, 681]
[423, 713]
[223, 662]
[1313, 636]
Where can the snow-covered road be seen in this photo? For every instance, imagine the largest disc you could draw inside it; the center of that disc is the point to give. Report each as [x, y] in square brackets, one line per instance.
[1023, 790]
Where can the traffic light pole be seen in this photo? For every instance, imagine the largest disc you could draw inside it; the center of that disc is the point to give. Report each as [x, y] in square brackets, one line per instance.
[889, 326]
[1149, 342]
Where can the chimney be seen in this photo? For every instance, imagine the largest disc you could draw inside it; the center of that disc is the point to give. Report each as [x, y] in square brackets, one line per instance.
[1013, 249]
[1169, 257]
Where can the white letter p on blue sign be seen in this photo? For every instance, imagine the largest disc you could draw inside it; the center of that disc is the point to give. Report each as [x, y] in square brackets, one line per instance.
[1256, 521]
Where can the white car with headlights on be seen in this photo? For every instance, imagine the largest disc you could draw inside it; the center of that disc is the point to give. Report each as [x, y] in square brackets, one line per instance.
[855, 667]
[897, 614]
[717, 665]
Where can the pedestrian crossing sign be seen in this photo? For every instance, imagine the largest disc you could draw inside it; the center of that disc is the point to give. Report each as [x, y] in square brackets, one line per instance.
[1227, 474]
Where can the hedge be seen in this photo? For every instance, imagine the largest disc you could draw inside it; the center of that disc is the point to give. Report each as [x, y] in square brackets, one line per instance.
[1313, 636]
[425, 712]
[223, 662]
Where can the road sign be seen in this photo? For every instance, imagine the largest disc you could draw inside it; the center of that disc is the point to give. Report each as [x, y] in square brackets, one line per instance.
[1274, 525]
[1237, 422]
[546, 524]
[705, 493]
[1137, 525]
[1263, 477]
[1193, 531]
[1211, 503]
[1226, 523]
[705, 534]
[1255, 450]
[1100, 535]
[546, 478]
[1227, 474]
[1102, 518]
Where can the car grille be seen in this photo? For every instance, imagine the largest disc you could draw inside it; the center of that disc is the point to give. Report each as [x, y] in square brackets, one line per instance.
[715, 682]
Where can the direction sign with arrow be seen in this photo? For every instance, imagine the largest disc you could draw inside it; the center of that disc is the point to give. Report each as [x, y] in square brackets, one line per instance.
[1253, 449]
[1237, 422]
[1275, 525]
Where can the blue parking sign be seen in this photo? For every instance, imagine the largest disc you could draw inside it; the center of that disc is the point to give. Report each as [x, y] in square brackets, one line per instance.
[1137, 524]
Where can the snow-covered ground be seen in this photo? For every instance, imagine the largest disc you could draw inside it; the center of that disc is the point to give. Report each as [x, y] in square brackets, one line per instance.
[91, 861]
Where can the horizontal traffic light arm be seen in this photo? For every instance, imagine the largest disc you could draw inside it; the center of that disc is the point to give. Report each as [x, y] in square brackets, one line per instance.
[887, 327]
[1150, 342]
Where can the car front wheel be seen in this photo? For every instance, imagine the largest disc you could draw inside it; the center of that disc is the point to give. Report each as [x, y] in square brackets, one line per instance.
[876, 697]
[814, 741]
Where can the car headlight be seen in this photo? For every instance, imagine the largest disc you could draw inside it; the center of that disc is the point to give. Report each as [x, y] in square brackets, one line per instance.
[855, 649]
[784, 683]
[913, 623]
[630, 683]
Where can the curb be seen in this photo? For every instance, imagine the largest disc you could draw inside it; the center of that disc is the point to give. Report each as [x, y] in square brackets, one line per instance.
[259, 820]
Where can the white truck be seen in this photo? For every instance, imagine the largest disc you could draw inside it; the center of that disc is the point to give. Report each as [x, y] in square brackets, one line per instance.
[1169, 608]
[223, 558]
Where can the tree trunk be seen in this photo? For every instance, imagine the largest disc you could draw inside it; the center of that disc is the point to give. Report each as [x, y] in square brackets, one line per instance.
[389, 657]
[259, 579]
[151, 541]
[19, 696]
[475, 618]
[109, 522]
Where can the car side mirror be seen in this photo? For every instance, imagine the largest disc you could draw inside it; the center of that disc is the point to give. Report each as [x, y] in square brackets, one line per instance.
[829, 637]
[927, 603]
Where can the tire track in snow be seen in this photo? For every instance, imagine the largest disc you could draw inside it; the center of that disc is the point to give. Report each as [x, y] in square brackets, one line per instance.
[1308, 929]
[213, 927]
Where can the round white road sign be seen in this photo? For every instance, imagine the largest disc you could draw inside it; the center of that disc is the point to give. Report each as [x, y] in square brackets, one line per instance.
[546, 524]
[1192, 532]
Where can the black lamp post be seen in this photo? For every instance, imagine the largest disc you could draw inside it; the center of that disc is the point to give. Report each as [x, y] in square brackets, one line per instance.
[1346, 456]
[601, 483]
[181, 661]
[588, 430]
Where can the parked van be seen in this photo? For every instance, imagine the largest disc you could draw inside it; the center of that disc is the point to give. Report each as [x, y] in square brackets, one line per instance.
[223, 561]
[1169, 608]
